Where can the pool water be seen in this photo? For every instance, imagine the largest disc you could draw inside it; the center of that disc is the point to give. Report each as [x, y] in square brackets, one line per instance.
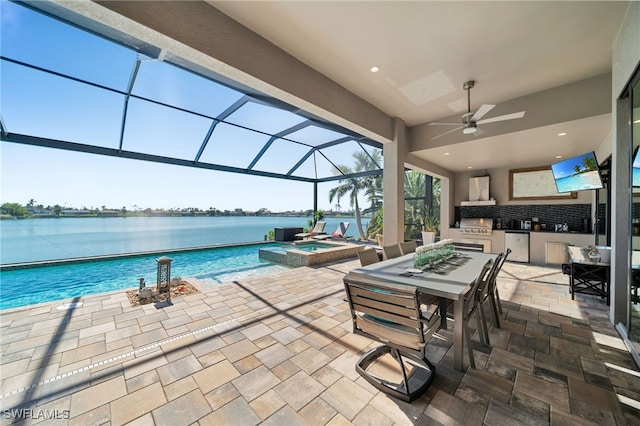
[311, 247]
[21, 287]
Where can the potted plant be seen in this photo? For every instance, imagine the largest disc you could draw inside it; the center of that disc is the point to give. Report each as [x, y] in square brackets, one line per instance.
[429, 226]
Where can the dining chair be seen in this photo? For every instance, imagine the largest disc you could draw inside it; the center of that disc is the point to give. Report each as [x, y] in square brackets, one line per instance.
[485, 292]
[392, 315]
[408, 246]
[471, 308]
[494, 295]
[368, 256]
[391, 251]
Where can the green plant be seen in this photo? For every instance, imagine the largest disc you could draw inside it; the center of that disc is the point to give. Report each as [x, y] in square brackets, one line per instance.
[430, 221]
[375, 226]
[317, 215]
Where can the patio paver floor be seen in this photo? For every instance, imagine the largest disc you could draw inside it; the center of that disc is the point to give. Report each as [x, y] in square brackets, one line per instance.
[279, 349]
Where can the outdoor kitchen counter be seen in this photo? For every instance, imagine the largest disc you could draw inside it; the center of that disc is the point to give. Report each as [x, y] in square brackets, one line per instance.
[537, 241]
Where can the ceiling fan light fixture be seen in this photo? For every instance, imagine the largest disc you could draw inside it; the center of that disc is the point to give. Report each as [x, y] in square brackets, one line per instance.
[469, 130]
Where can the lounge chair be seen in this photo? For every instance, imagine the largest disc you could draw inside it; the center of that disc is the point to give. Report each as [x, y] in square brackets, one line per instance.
[318, 229]
[341, 232]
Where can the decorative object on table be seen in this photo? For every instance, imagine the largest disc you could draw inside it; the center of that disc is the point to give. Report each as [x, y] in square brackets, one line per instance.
[594, 254]
[430, 254]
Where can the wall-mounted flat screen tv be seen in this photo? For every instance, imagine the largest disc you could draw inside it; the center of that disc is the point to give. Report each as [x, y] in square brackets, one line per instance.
[577, 173]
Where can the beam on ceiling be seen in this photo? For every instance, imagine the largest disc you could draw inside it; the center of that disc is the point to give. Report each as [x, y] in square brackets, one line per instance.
[111, 152]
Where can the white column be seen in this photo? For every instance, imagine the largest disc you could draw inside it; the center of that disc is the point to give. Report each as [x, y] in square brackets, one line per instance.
[393, 184]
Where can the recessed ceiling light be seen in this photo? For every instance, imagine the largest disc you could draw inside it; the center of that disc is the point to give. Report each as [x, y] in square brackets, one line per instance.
[375, 69]
[636, 122]
[562, 134]
[446, 153]
[558, 156]
[470, 167]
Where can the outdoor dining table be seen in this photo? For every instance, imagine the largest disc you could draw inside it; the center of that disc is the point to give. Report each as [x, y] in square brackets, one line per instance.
[450, 280]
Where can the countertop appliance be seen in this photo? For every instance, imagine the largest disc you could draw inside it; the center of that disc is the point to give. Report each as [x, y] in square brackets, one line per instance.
[477, 231]
[518, 242]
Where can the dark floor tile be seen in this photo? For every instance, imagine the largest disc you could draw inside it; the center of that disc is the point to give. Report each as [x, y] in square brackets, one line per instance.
[537, 329]
[528, 345]
[598, 380]
[589, 412]
[549, 362]
[550, 376]
[501, 370]
[529, 404]
[500, 414]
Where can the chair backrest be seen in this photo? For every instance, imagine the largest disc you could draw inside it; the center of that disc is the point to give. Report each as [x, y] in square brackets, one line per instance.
[489, 284]
[391, 251]
[368, 256]
[506, 254]
[500, 261]
[319, 227]
[389, 314]
[472, 298]
[408, 246]
[341, 231]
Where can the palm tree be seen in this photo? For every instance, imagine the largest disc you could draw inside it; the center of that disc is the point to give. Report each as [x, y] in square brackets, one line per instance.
[353, 186]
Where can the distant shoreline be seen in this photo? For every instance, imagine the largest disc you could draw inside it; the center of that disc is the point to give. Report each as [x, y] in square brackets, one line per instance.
[168, 214]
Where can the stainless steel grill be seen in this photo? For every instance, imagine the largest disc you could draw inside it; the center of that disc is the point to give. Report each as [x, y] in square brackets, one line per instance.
[476, 226]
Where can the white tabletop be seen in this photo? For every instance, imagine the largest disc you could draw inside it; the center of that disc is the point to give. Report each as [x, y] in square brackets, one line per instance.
[451, 281]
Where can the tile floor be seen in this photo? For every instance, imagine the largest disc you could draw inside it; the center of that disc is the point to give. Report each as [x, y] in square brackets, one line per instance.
[278, 350]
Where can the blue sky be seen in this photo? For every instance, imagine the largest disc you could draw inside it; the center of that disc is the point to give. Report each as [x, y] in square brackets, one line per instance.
[52, 176]
[567, 167]
[41, 105]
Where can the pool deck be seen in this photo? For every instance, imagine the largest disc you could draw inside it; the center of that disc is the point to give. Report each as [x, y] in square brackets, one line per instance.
[278, 350]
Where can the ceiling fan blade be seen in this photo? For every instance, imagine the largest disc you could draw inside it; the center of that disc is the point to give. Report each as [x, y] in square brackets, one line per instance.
[446, 133]
[443, 124]
[485, 108]
[502, 118]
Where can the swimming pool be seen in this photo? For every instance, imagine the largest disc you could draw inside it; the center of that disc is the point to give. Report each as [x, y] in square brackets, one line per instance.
[28, 286]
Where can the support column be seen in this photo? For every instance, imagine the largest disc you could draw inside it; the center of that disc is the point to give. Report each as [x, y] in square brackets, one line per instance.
[393, 184]
[619, 178]
[315, 199]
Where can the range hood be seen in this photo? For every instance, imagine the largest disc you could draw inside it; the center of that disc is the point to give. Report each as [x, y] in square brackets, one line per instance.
[479, 192]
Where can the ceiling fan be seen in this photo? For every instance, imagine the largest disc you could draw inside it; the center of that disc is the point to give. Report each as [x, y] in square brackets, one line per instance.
[470, 121]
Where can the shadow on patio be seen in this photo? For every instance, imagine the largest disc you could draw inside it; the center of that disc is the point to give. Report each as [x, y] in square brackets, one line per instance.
[278, 349]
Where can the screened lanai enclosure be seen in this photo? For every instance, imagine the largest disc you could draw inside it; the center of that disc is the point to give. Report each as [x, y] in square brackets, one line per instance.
[103, 92]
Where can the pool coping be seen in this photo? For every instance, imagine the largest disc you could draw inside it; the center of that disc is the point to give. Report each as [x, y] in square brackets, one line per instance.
[297, 258]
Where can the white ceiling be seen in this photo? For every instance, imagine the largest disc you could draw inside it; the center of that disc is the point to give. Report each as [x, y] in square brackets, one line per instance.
[427, 50]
